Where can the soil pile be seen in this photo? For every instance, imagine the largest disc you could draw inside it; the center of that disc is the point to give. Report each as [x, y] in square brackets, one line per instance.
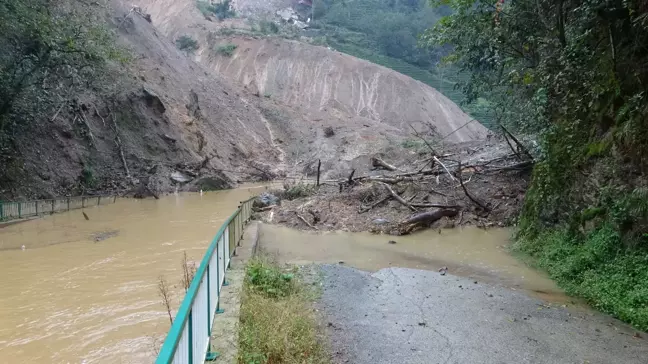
[480, 184]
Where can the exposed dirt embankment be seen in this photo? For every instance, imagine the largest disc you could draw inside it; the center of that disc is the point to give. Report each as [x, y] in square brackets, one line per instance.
[305, 90]
[166, 114]
[317, 78]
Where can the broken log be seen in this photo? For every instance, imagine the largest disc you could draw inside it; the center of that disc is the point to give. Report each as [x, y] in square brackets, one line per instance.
[377, 162]
[305, 222]
[428, 217]
[398, 198]
[365, 209]
[424, 205]
[473, 199]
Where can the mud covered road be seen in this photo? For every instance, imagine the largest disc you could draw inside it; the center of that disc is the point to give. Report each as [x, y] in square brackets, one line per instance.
[409, 316]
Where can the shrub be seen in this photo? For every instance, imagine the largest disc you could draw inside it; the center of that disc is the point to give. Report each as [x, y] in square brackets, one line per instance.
[268, 27]
[278, 324]
[227, 49]
[222, 10]
[329, 132]
[187, 44]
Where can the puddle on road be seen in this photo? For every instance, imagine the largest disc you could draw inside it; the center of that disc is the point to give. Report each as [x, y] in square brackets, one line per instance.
[468, 252]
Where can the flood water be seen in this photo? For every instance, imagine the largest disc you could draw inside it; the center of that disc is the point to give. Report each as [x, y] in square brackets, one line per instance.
[67, 298]
[467, 251]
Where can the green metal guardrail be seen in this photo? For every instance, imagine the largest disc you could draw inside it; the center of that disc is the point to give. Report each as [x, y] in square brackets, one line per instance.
[12, 210]
[188, 340]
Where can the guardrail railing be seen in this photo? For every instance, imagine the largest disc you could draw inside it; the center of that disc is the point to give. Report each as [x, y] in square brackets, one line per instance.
[11, 210]
[188, 340]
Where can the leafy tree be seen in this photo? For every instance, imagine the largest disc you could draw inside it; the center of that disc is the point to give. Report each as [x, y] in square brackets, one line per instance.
[47, 43]
[574, 73]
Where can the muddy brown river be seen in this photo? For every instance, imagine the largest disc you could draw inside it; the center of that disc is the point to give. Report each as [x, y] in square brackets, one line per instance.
[86, 291]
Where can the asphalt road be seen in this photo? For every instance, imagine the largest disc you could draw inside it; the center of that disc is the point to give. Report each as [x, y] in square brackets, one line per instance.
[408, 316]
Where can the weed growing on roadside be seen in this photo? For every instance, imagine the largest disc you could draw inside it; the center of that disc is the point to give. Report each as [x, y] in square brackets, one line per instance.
[278, 324]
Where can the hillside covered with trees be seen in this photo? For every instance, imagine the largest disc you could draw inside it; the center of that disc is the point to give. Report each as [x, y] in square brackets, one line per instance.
[574, 73]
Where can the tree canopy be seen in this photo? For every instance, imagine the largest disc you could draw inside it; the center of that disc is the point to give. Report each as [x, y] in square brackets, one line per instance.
[574, 73]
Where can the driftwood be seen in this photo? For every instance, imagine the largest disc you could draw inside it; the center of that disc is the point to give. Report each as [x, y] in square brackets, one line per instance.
[473, 199]
[377, 162]
[365, 209]
[423, 219]
[424, 205]
[398, 198]
[305, 221]
[444, 167]
[429, 217]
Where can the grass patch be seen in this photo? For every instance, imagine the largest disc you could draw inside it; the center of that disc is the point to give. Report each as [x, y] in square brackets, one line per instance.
[278, 324]
[597, 267]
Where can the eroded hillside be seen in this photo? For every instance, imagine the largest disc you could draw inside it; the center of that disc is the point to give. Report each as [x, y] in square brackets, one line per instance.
[314, 78]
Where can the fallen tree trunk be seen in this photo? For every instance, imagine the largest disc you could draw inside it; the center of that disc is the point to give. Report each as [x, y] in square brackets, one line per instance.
[428, 217]
[423, 205]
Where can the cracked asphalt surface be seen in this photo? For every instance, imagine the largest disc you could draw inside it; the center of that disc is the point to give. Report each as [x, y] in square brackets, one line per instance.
[404, 316]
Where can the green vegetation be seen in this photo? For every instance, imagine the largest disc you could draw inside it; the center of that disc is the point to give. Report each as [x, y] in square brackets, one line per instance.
[297, 190]
[222, 10]
[87, 177]
[268, 27]
[227, 49]
[50, 53]
[278, 324]
[187, 44]
[574, 74]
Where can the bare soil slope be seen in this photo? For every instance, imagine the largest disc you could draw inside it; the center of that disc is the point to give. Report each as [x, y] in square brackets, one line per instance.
[317, 78]
[314, 78]
[170, 114]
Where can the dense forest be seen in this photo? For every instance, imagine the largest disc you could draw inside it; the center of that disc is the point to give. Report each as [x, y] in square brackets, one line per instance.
[574, 74]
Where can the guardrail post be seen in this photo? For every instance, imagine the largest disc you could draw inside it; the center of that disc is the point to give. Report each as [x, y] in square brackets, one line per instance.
[211, 355]
[218, 309]
[98, 200]
[53, 206]
[82, 202]
[1, 211]
[190, 324]
[36, 204]
[19, 210]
